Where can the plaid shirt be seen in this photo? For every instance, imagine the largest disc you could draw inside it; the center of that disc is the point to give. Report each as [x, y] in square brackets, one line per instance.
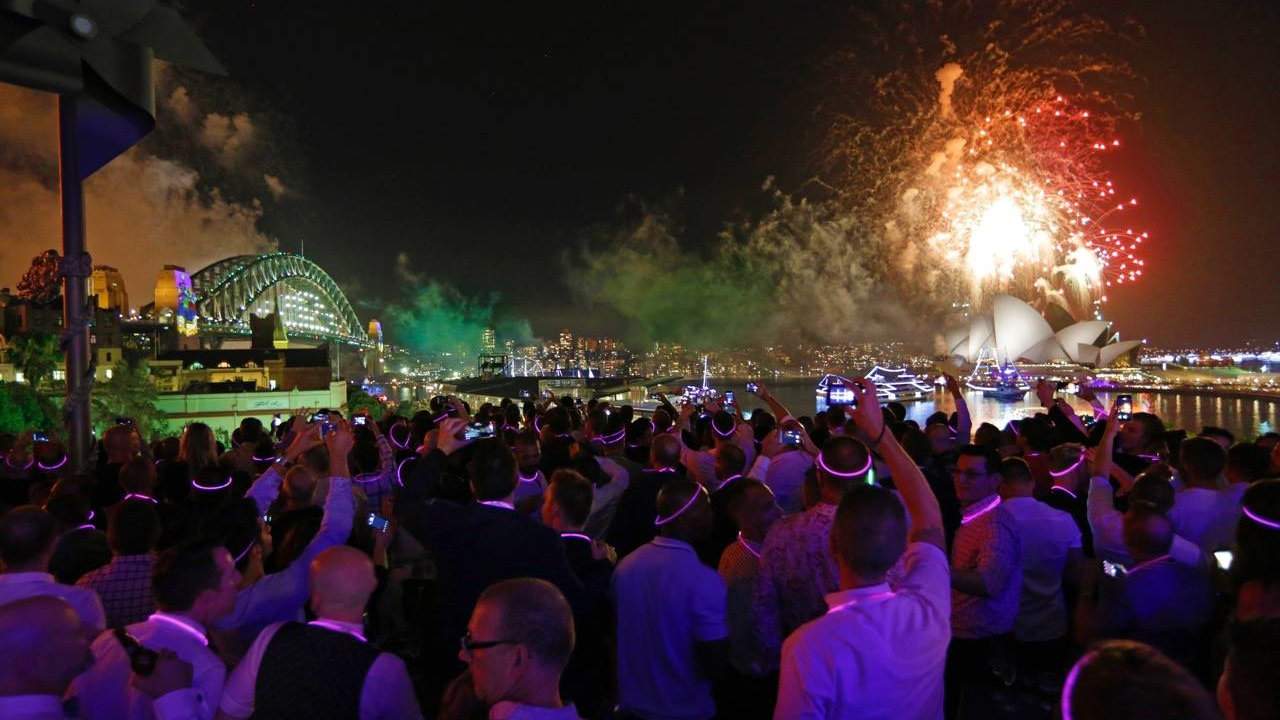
[124, 585]
[797, 570]
[989, 544]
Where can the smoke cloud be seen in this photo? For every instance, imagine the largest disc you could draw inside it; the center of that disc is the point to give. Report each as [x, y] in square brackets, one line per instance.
[438, 319]
[947, 76]
[145, 209]
[803, 272]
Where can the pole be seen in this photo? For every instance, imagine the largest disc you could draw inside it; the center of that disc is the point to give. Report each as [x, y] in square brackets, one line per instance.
[76, 267]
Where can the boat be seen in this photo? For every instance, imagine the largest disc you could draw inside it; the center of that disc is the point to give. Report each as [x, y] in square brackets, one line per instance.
[892, 385]
[999, 382]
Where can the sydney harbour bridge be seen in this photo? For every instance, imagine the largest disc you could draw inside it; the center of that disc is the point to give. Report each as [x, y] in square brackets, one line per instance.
[221, 298]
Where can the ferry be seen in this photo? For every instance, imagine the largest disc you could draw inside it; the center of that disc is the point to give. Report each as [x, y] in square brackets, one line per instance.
[892, 384]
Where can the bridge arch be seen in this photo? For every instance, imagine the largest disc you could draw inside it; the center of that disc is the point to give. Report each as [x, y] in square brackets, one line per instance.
[313, 306]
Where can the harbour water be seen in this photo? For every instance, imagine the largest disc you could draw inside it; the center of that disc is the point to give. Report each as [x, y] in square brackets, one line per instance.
[1245, 417]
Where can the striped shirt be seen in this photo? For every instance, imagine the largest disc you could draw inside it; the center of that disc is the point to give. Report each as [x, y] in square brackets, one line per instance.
[989, 545]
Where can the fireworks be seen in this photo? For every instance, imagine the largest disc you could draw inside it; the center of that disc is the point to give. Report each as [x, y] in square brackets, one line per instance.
[977, 174]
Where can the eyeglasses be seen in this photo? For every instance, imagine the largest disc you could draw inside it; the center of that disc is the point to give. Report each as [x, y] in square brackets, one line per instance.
[469, 645]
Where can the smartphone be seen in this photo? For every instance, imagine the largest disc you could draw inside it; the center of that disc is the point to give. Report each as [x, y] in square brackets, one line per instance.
[478, 431]
[379, 523]
[319, 417]
[729, 397]
[142, 660]
[360, 420]
[267, 518]
[1223, 558]
[38, 436]
[124, 421]
[753, 388]
[1124, 407]
[525, 394]
[790, 438]
[840, 396]
[1112, 569]
[326, 428]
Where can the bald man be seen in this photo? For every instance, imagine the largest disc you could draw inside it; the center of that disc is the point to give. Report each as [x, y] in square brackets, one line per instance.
[323, 668]
[673, 638]
[633, 522]
[42, 648]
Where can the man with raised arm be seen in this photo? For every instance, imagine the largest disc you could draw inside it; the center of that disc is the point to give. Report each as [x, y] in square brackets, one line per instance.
[879, 651]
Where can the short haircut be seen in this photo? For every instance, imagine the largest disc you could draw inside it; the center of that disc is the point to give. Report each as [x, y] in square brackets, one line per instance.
[138, 476]
[1209, 431]
[1065, 456]
[1253, 678]
[573, 495]
[724, 424]
[1016, 470]
[1037, 430]
[665, 450]
[26, 532]
[1202, 457]
[301, 482]
[536, 615]
[987, 435]
[133, 527]
[916, 443]
[898, 409]
[1152, 426]
[1257, 549]
[1126, 679]
[737, 491]
[734, 459]
[675, 493]
[1248, 461]
[870, 531]
[182, 573]
[990, 457]
[1153, 491]
[69, 509]
[493, 470]
[842, 454]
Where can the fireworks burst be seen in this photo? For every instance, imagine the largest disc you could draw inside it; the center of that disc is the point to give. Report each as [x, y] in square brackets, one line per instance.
[983, 176]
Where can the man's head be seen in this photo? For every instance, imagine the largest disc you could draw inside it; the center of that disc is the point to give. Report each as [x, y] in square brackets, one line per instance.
[1222, 436]
[1202, 460]
[27, 536]
[1066, 464]
[567, 501]
[493, 470]
[722, 427]
[869, 535]
[685, 510]
[753, 507]
[941, 438]
[1016, 479]
[133, 528]
[342, 580]
[1141, 433]
[843, 463]
[300, 486]
[197, 579]
[528, 451]
[976, 474]
[1126, 679]
[518, 640]
[1247, 462]
[664, 452]
[730, 461]
[1153, 491]
[1147, 534]
[42, 647]
[1248, 687]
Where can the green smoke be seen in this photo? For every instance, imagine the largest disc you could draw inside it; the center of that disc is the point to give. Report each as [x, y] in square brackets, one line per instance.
[439, 319]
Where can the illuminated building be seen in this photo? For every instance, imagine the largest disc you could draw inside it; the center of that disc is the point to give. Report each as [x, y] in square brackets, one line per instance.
[488, 340]
[175, 301]
[106, 287]
[373, 358]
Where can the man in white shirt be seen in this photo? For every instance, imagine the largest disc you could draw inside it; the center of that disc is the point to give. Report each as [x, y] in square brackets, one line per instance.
[517, 644]
[879, 651]
[42, 649]
[27, 541]
[672, 633]
[788, 465]
[335, 669]
[1203, 512]
[1051, 547]
[194, 585]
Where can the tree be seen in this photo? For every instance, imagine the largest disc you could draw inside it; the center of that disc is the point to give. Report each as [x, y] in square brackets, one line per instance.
[22, 408]
[128, 393]
[36, 354]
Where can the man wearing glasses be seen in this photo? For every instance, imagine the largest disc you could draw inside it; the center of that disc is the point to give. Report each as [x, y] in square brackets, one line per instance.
[517, 644]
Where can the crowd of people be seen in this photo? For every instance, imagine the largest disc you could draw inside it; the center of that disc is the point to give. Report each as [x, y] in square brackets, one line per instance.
[559, 559]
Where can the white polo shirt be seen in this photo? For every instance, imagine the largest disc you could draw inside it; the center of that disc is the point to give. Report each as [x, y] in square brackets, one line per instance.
[879, 652]
[1047, 536]
[22, 585]
[667, 601]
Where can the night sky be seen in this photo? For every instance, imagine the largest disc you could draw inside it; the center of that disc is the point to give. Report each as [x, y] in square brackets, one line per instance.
[486, 141]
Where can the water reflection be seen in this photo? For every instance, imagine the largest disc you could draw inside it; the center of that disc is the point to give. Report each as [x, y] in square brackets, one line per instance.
[1246, 418]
